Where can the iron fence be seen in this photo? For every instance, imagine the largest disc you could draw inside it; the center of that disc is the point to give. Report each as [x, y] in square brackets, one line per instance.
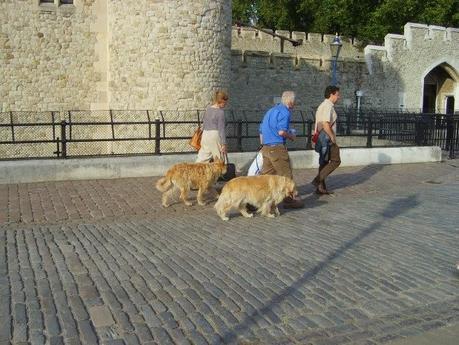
[27, 135]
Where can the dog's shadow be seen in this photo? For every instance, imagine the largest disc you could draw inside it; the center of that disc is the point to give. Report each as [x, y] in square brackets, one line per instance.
[311, 201]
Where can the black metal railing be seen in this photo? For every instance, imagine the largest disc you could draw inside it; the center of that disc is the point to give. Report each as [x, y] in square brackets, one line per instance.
[26, 135]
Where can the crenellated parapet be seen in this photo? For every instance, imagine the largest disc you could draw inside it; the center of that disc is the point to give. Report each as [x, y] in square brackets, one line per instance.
[314, 45]
[256, 59]
[417, 39]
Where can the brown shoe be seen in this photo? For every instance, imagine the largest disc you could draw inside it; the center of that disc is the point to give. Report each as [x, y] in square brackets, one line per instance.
[315, 182]
[321, 190]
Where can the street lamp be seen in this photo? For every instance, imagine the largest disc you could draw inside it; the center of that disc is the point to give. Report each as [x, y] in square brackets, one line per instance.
[335, 48]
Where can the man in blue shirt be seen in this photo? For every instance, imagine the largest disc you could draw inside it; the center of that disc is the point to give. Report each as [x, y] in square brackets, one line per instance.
[274, 131]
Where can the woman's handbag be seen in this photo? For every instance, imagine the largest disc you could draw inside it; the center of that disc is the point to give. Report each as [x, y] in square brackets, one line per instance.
[230, 170]
[195, 140]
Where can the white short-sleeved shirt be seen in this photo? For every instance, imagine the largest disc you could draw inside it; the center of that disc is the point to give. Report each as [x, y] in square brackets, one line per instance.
[326, 113]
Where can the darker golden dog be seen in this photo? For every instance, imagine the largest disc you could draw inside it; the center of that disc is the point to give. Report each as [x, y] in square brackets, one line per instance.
[264, 192]
[185, 176]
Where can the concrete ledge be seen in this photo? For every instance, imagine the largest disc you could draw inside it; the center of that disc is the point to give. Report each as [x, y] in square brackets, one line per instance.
[120, 167]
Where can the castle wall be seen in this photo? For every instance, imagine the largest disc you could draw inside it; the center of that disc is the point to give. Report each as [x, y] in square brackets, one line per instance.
[48, 56]
[313, 45]
[390, 76]
[99, 54]
[168, 54]
[159, 55]
[258, 78]
[414, 54]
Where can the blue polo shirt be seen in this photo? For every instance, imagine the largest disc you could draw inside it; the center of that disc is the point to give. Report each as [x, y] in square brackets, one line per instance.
[276, 119]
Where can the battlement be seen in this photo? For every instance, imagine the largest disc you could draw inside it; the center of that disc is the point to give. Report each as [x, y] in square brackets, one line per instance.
[288, 61]
[415, 36]
[314, 45]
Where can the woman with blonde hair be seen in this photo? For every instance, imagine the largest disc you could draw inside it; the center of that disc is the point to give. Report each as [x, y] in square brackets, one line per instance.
[213, 141]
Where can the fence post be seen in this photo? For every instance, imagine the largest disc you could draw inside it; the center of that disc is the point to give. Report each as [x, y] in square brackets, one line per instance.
[370, 132]
[420, 131]
[64, 139]
[157, 136]
[450, 136]
[239, 135]
[309, 136]
[348, 123]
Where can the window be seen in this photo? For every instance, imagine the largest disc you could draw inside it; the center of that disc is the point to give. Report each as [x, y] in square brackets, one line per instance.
[59, 2]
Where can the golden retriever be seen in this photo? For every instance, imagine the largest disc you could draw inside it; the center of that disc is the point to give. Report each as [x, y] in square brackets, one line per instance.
[264, 192]
[185, 176]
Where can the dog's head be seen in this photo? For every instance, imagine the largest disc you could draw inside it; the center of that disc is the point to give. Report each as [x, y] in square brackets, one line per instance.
[290, 188]
[219, 166]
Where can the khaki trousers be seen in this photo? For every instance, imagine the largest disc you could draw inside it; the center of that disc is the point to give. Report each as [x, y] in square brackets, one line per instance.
[210, 147]
[276, 161]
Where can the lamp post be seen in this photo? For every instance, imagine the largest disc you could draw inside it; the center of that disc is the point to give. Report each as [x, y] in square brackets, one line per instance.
[335, 48]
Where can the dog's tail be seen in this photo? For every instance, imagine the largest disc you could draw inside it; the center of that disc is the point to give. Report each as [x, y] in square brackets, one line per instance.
[220, 202]
[163, 184]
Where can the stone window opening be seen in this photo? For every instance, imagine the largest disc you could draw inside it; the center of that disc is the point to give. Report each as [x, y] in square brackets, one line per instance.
[55, 2]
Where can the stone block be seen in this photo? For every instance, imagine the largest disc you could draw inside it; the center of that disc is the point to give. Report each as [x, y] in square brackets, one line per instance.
[101, 316]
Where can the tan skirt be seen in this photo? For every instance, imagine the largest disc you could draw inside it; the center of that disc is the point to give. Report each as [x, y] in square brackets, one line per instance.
[210, 146]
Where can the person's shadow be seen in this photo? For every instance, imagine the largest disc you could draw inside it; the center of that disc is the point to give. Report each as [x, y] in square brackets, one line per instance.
[342, 180]
[394, 209]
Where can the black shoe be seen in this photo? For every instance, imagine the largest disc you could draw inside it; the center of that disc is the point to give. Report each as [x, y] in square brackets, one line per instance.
[251, 208]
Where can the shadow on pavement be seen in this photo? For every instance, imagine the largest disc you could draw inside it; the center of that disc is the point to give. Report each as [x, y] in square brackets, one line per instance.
[344, 180]
[393, 210]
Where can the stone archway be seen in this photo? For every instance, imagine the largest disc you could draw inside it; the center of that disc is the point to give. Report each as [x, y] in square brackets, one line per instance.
[439, 89]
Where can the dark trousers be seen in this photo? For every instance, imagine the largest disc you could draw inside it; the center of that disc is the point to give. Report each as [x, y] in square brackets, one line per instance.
[333, 163]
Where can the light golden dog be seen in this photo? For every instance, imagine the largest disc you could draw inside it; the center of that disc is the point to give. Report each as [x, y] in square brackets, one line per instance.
[264, 192]
[185, 176]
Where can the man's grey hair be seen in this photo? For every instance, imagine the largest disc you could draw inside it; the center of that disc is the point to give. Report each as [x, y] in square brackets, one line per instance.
[288, 97]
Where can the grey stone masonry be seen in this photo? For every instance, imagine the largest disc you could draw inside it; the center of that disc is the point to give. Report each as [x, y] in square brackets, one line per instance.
[101, 262]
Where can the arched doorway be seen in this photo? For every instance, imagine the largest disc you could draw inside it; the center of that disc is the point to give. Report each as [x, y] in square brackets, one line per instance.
[439, 90]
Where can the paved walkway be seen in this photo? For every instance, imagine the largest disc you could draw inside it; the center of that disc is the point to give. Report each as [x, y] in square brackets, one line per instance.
[86, 262]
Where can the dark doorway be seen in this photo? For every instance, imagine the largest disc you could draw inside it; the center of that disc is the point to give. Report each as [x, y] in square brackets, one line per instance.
[439, 84]
[449, 106]
[430, 94]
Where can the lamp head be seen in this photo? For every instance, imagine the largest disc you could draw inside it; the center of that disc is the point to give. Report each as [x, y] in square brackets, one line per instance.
[335, 46]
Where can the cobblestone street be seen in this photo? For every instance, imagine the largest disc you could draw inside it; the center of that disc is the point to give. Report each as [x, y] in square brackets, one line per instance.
[87, 262]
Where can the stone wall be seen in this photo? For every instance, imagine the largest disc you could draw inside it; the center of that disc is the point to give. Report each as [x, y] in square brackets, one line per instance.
[168, 54]
[258, 79]
[413, 55]
[98, 54]
[160, 55]
[390, 76]
[260, 72]
[47, 56]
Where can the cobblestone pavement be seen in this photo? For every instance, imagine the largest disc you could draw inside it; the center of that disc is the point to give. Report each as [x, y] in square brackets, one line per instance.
[101, 262]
